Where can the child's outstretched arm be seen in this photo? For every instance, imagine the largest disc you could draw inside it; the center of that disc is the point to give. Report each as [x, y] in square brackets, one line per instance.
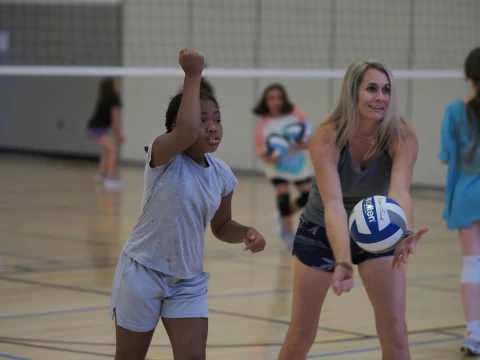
[229, 231]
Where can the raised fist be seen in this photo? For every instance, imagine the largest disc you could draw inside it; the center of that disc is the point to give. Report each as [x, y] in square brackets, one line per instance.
[191, 62]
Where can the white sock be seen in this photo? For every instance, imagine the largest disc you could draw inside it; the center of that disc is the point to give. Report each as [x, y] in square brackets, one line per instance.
[474, 329]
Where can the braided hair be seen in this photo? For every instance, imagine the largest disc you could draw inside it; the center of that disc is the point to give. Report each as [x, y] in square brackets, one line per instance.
[174, 106]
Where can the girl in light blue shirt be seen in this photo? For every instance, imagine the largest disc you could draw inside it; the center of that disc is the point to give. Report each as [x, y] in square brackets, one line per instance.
[460, 151]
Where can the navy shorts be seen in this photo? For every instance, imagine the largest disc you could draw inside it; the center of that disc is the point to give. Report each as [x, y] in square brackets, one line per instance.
[97, 132]
[312, 248]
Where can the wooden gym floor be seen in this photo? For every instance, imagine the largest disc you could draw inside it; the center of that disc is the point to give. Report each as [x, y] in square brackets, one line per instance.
[60, 237]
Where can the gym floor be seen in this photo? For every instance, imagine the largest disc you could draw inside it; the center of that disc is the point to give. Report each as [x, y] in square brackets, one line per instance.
[60, 238]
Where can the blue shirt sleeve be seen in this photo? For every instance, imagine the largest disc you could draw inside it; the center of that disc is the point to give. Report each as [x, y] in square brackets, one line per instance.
[447, 139]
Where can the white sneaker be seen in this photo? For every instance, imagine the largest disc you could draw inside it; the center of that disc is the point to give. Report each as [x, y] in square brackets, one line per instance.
[113, 183]
[289, 239]
[98, 178]
[470, 346]
[277, 223]
[286, 236]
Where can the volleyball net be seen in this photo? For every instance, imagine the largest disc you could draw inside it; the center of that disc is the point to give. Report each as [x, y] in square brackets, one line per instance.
[248, 38]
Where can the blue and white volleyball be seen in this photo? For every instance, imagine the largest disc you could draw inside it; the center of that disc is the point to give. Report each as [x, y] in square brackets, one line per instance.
[299, 132]
[377, 224]
[276, 145]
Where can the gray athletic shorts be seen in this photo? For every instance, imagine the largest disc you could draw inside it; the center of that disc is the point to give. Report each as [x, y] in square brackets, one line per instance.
[140, 296]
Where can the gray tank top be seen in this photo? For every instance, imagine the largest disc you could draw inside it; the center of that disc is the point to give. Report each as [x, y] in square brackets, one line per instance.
[356, 185]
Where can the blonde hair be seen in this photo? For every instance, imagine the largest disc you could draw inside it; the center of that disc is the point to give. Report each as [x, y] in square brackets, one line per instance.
[346, 116]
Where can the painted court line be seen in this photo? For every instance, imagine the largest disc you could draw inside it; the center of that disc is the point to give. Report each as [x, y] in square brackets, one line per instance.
[102, 308]
[373, 349]
[211, 297]
[52, 313]
[6, 356]
[10, 254]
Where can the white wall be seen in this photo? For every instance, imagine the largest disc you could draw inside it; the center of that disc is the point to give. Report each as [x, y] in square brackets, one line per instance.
[45, 114]
[49, 113]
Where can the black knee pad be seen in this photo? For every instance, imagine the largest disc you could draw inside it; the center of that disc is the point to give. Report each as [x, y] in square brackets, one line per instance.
[283, 203]
[302, 199]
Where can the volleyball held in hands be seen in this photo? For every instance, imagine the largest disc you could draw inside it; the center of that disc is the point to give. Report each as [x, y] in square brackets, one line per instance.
[298, 133]
[278, 145]
[377, 224]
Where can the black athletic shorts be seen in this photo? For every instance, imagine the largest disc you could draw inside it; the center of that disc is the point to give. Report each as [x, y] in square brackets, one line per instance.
[278, 181]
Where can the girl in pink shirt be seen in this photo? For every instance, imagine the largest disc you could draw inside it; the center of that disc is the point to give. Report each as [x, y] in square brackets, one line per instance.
[275, 114]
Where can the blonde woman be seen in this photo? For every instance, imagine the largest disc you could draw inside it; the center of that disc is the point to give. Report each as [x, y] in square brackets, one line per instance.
[363, 148]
